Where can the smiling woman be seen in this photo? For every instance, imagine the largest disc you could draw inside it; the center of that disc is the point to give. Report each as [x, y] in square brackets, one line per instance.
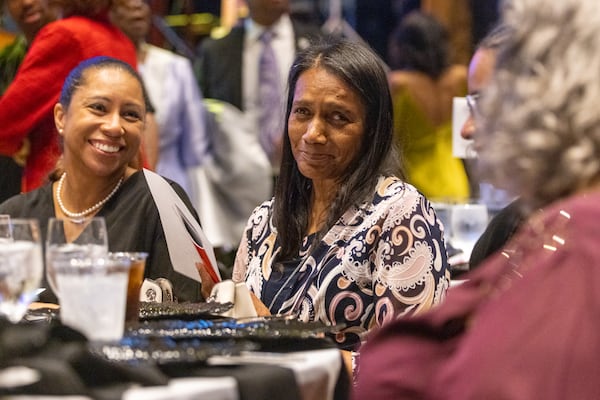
[102, 126]
[325, 126]
[344, 241]
[100, 118]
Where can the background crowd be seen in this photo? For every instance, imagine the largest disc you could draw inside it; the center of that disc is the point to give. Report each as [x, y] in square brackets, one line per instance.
[346, 143]
[180, 141]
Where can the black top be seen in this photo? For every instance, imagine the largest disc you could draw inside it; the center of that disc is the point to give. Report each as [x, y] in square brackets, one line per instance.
[133, 224]
[498, 232]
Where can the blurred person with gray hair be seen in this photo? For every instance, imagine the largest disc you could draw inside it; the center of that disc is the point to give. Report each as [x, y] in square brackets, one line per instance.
[524, 325]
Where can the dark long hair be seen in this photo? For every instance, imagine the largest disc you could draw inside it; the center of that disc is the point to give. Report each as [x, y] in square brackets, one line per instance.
[420, 43]
[362, 70]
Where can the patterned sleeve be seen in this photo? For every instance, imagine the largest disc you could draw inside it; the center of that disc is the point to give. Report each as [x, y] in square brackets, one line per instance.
[256, 228]
[240, 264]
[410, 268]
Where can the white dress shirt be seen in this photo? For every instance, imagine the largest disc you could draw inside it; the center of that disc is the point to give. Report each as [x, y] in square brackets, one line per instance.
[284, 46]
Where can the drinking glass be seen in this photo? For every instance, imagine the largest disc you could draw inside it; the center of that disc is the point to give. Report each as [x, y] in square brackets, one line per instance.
[136, 278]
[21, 266]
[468, 222]
[443, 210]
[91, 240]
[5, 227]
[93, 295]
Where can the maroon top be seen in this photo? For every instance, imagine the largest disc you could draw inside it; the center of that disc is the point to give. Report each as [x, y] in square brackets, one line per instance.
[26, 108]
[525, 326]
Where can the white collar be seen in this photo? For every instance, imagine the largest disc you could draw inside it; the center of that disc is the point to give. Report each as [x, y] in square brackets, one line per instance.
[279, 28]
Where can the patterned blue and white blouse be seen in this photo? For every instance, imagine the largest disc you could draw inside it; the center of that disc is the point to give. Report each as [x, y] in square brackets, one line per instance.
[381, 260]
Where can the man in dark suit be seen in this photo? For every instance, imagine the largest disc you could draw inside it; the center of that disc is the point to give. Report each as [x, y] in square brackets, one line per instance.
[507, 221]
[228, 68]
[221, 60]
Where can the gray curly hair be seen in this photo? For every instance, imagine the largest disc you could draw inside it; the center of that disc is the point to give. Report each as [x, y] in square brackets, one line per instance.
[541, 113]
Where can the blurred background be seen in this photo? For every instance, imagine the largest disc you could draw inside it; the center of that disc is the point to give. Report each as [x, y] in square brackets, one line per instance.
[181, 25]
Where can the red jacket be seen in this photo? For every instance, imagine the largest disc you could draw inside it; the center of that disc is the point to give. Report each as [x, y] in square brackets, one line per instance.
[26, 109]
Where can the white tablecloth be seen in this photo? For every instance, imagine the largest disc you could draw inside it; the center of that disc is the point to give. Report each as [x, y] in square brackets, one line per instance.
[316, 373]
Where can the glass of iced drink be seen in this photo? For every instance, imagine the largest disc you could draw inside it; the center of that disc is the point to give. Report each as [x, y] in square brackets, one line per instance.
[468, 222]
[93, 295]
[68, 240]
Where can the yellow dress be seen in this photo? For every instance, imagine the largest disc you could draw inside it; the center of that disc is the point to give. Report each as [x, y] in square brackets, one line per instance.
[426, 148]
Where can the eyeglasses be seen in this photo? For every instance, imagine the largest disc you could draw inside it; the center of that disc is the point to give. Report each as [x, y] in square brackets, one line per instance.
[472, 100]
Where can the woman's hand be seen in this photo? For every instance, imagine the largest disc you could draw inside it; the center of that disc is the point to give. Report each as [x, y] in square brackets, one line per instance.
[259, 306]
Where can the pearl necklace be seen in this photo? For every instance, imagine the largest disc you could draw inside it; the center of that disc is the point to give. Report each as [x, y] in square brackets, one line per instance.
[80, 216]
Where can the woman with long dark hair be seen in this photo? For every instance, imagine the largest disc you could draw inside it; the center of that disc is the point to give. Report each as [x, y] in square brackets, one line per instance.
[344, 240]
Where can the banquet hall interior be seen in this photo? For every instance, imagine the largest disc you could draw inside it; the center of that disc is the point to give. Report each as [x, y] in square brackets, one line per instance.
[314, 369]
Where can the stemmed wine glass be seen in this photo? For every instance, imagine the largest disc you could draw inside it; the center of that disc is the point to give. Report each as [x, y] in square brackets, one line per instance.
[73, 240]
[21, 265]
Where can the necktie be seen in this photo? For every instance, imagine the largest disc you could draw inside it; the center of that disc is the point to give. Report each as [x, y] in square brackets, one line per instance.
[270, 98]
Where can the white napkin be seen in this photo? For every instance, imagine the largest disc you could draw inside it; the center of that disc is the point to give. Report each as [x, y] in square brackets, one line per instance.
[236, 293]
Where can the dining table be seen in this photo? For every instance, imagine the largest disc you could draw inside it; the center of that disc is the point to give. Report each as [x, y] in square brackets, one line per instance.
[171, 355]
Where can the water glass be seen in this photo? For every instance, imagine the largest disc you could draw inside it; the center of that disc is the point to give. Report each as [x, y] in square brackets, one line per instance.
[443, 210]
[468, 222]
[5, 227]
[93, 295]
[21, 266]
[67, 240]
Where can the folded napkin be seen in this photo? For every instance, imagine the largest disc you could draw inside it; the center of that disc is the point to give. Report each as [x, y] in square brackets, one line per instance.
[53, 359]
[156, 291]
[236, 293]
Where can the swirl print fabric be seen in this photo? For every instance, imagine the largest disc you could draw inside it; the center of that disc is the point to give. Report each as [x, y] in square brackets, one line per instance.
[383, 259]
